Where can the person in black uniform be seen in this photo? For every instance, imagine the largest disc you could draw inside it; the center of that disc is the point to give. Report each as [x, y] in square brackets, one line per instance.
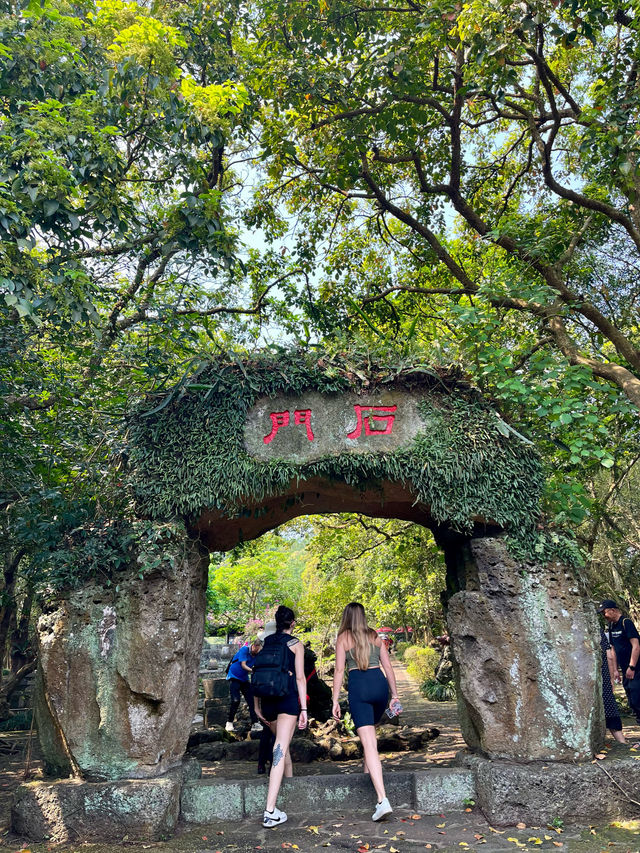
[281, 713]
[366, 656]
[623, 636]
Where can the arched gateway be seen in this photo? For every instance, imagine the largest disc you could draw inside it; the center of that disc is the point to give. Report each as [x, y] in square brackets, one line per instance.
[244, 447]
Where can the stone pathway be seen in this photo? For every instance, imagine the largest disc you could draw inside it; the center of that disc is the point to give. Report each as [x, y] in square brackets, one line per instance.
[417, 711]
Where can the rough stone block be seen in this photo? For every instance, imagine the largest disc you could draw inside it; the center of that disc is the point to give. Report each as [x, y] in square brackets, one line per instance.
[210, 800]
[443, 789]
[216, 712]
[537, 793]
[313, 794]
[524, 642]
[71, 809]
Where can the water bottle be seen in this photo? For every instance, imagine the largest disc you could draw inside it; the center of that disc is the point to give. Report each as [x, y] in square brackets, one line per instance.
[394, 709]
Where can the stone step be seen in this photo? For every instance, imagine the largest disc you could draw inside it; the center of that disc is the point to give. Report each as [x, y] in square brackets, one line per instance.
[432, 792]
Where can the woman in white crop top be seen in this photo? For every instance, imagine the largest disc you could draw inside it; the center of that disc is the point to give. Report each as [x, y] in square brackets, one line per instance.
[367, 660]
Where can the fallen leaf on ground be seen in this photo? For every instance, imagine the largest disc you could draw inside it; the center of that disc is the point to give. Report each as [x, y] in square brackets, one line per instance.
[363, 848]
[498, 831]
[393, 850]
[440, 825]
[521, 825]
[313, 829]
[415, 817]
[601, 755]
[535, 840]
[558, 844]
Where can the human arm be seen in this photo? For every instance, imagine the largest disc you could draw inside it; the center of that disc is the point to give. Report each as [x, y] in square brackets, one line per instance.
[245, 666]
[301, 682]
[338, 675]
[257, 706]
[385, 663]
[635, 654]
[612, 663]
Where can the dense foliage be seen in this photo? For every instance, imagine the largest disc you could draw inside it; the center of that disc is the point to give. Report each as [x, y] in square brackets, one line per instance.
[444, 183]
[189, 453]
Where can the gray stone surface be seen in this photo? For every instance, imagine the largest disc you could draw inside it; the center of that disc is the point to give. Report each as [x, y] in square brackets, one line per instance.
[120, 669]
[70, 809]
[333, 418]
[443, 789]
[524, 642]
[310, 794]
[540, 792]
[206, 801]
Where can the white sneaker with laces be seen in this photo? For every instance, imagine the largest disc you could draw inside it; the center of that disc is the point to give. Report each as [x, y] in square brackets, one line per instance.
[256, 727]
[230, 727]
[382, 810]
[274, 818]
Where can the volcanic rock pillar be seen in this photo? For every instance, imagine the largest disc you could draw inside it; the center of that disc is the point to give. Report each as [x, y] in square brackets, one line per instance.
[119, 669]
[524, 641]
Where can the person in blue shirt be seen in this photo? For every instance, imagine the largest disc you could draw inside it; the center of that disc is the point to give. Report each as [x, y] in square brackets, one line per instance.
[239, 685]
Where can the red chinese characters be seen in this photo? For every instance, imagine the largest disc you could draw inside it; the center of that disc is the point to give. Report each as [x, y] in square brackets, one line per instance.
[370, 420]
[282, 419]
[373, 415]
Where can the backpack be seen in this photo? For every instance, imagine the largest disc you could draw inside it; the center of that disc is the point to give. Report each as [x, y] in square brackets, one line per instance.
[270, 675]
[233, 659]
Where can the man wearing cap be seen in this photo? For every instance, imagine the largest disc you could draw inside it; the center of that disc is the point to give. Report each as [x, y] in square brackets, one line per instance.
[623, 636]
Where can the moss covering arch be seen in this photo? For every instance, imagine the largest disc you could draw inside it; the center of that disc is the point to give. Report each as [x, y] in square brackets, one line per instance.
[465, 468]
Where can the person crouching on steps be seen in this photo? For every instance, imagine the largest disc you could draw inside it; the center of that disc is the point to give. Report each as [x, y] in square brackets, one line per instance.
[281, 713]
[364, 654]
[238, 678]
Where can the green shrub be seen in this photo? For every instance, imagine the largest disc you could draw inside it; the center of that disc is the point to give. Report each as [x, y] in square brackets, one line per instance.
[400, 648]
[436, 692]
[421, 662]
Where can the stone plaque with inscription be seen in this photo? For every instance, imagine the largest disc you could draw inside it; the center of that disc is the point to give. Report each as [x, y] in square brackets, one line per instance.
[313, 425]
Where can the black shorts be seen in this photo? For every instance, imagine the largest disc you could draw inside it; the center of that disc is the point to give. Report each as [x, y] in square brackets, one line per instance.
[272, 706]
[368, 696]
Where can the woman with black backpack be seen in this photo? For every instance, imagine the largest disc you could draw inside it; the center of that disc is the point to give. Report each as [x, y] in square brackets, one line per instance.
[280, 691]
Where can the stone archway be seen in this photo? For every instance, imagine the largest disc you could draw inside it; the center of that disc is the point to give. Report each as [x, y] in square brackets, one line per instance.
[248, 446]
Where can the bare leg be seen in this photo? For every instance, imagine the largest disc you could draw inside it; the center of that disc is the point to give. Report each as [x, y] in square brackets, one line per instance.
[367, 735]
[285, 725]
[617, 735]
[288, 766]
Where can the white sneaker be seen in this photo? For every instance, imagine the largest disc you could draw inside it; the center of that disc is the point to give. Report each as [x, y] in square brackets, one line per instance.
[382, 810]
[229, 727]
[256, 727]
[274, 818]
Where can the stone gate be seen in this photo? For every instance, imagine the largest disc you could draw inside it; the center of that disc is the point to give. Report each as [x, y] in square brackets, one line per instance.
[236, 452]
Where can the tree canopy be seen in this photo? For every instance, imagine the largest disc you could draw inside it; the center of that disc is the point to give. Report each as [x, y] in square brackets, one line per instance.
[452, 181]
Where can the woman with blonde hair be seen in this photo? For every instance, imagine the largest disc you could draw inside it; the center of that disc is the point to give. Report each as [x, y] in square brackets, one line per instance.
[366, 656]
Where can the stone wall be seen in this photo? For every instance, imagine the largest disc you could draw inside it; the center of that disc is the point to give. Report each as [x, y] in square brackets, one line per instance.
[524, 641]
[119, 669]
